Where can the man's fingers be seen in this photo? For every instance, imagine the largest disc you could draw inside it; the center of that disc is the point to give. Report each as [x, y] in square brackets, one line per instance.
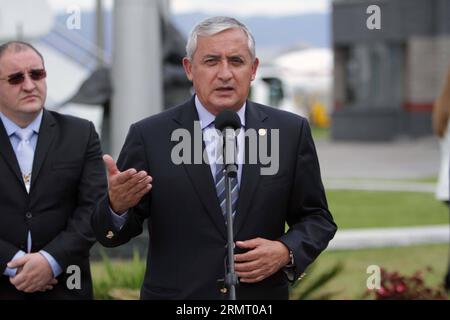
[136, 178]
[145, 190]
[133, 184]
[247, 256]
[135, 193]
[248, 244]
[19, 282]
[251, 280]
[127, 189]
[22, 285]
[124, 177]
[136, 197]
[140, 185]
[252, 275]
[249, 274]
[29, 289]
[247, 266]
[46, 288]
[110, 164]
[19, 262]
[121, 177]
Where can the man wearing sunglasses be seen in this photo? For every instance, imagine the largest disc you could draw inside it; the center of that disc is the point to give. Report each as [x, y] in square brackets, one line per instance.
[52, 176]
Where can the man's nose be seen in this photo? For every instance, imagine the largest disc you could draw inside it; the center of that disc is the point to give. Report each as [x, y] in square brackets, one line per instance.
[28, 84]
[225, 73]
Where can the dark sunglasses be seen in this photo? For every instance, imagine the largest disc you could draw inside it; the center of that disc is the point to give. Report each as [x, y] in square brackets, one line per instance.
[19, 77]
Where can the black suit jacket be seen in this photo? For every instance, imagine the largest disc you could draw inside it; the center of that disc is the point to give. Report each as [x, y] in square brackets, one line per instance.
[68, 179]
[187, 230]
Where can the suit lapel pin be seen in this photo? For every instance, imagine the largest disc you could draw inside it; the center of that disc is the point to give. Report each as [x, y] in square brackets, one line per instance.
[110, 234]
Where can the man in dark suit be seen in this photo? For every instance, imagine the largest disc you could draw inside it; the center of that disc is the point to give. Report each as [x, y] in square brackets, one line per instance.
[52, 176]
[187, 230]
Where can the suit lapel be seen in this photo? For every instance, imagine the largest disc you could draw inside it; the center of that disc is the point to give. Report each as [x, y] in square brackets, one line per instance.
[8, 154]
[250, 172]
[200, 174]
[47, 133]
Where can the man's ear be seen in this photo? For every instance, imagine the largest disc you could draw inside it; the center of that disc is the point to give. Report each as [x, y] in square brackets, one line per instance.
[187, 68]
[254, 68]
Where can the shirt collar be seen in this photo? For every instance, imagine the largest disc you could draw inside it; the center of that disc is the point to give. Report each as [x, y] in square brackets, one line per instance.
[11, 127]
[206, 117]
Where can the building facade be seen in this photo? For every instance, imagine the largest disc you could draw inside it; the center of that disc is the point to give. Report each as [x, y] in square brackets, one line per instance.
[386, 80]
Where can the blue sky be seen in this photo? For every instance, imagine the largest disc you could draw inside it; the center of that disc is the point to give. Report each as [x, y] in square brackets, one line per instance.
[235, 7]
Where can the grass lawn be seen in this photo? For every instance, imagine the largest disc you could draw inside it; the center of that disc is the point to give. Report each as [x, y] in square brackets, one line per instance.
[373, 209]
[351, 282]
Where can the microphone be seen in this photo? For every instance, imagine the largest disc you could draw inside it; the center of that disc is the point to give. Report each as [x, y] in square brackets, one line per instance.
[227, 118]
[227, 122]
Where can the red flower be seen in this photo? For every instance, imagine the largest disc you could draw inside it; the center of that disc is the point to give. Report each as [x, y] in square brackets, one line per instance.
[400, 288]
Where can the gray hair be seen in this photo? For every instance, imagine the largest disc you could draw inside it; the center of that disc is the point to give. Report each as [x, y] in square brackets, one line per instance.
[214, 25]
[18, 46]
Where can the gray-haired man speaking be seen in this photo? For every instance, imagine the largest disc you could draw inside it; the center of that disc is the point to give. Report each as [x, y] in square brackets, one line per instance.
[180, 201]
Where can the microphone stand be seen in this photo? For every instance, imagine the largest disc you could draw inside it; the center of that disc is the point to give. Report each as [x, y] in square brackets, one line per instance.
[231, 279]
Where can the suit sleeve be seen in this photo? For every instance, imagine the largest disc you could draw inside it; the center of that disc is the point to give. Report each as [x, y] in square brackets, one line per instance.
[77, 238]
[311, 225]
[132, 156]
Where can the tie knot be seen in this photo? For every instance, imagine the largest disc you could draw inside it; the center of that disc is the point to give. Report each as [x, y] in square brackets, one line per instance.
[24, 134]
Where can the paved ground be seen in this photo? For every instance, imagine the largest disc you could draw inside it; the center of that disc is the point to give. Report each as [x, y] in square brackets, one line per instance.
[407, 159]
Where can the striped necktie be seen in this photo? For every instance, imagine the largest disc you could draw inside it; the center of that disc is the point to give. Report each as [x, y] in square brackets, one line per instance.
[220, 187]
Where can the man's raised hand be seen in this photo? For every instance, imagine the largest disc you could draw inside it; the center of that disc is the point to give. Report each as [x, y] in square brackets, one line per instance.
[125, 189]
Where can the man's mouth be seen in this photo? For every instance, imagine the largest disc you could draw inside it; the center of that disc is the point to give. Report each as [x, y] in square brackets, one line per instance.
[224, 89]
[29, 97]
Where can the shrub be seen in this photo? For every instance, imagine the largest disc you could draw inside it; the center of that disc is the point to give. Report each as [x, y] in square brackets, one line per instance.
[395, 286]
[119, 280]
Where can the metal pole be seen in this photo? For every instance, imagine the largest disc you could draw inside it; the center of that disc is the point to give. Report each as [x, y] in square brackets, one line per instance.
[230, 276]
[99, 32]
[137, 66]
